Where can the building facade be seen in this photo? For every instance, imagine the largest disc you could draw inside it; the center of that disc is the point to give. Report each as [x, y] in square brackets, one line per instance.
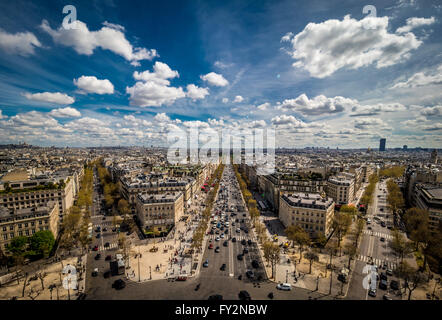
[159, 212]
[430, 199]
[27, 221]
[308, 210]
[341, 189]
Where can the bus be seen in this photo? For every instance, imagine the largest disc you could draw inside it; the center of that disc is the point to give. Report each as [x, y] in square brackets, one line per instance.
[117, 266]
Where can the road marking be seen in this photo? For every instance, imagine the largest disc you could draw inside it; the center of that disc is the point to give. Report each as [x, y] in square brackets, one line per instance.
[378, 262]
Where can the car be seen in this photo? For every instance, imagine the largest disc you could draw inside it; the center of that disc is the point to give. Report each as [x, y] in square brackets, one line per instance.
[206, 264]
[255, 264]
[227, 231]
[250, 274]
[246, 230]
[249, 242]
[106, 245]
[97, 256]
[233, 224]
[107, 274]
[233, 239]
[372, 292]
[245, 251]
[389, 272]
[211, 246]
[211, 232]
[119, 284]
[108, 257]
[238, 230]
[225, 243]
[217, 239]
[383, 224]
[104, 229]
[181, 278]
[284, 286]
[384, 276]
[222, 236]
[342, 278]
[368, 228]
[104, 218]
[217, 249]
[394, 285]
[386, 297]
[383, 285]
[114, 229]
[382, 239]
[243, 242]
[240, 257]
[217, 231]
[244, 295]
[98, 236]
[215, 297]
[95, 272]
[223, 267]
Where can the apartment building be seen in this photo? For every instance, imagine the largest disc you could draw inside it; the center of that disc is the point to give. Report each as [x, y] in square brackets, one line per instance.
[430, 198]
[159, 212]
[311, 211]
[27, 221]
[341, 188]
[24, 195]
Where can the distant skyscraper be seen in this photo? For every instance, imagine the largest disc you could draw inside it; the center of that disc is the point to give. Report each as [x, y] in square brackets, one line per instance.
[382, 144]
[405, 148]
[433, 158]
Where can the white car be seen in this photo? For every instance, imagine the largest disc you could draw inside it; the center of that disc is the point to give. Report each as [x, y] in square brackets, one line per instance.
[217, 239]
[222, 236]
[284, 286]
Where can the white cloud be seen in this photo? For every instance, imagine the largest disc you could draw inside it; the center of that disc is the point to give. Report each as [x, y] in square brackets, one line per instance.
[318, 105]
[222, 65]
[194, 92]
[287, 37]
[323, 48]
[432, 111]
[238, 99]
[367, 123]
[161, 117]
[288, 120]
[113, 26]
[263, 106]
[161, 73]
[415, 22]
[152, 94]
[22, 43]
[421, 79]
[433, 127]
[91, 84]
[155, 91]
[109, 37]
[225, 100]
[67, 112]
[51, 97]
[215, 79]
[368, 110]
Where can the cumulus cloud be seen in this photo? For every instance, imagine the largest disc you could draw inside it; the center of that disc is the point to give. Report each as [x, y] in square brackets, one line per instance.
[161, 117]
[415, 22]
[152, 94]
[421, 79]
[215, 79]
[238, 99]
[67, 112]
[91, 84]
[369, 110]
[318, 105]
[194, 92]
[288, 120]
[51, 97]
[432, 111]
[153, 90]
[366, 123]
[22, 43]
[109, 37]
[263, 106]
[161, 73]
[323, 48]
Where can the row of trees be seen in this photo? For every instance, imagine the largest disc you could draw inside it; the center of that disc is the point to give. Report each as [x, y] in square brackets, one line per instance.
[198, 235]
[369, 191]
[392, 172]
[395, 199]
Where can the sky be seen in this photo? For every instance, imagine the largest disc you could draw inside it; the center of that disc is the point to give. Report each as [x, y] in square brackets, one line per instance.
[320, 73]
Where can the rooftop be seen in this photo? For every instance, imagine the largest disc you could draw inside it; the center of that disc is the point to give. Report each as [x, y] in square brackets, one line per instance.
[307, 200]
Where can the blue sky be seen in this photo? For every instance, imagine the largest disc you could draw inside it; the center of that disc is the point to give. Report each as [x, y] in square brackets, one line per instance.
[321, 73]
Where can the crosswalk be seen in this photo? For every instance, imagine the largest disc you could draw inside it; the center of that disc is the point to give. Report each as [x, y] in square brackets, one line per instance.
[103, 224]
[378, 234]
[379, 262]
[111, 246]
[238, 238]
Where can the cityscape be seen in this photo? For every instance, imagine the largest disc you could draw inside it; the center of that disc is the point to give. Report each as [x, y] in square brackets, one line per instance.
[147, 153]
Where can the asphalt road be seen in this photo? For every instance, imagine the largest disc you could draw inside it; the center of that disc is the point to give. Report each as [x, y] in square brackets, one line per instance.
[372, 249]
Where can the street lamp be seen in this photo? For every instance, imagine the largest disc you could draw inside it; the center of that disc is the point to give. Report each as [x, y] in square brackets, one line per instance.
[287, 276]
[150, 271]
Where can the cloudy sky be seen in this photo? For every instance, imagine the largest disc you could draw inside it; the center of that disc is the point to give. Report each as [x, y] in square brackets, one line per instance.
[322, 73]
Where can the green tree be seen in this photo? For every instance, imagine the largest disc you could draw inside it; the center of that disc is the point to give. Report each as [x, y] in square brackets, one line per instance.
[341, 224]
[272, 254]
[123, 207]
[42, 242]
[400, 246]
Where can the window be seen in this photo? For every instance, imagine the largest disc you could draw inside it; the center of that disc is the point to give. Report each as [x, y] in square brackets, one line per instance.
[4, 228]
[5, 237]
[11, 227]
